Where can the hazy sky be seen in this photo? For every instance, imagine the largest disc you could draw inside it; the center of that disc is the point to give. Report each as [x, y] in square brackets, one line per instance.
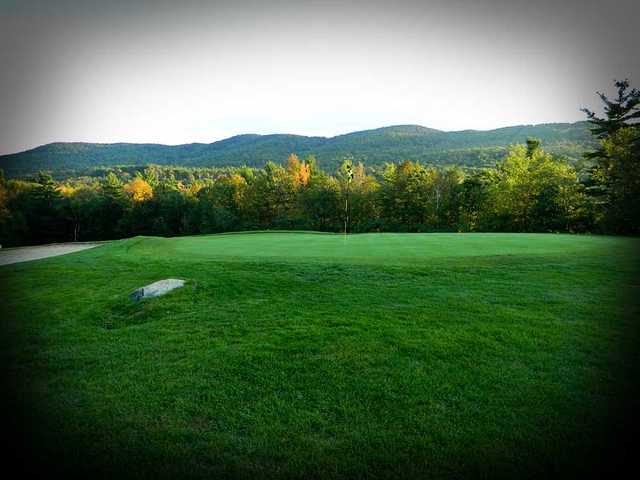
[198, 71]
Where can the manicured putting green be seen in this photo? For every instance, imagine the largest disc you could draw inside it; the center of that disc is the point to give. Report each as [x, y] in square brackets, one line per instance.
[373, 248]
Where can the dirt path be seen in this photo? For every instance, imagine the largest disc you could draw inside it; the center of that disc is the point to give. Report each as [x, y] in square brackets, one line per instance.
[24, 254]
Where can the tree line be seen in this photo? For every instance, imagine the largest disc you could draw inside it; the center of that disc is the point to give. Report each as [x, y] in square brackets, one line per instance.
[529, 190]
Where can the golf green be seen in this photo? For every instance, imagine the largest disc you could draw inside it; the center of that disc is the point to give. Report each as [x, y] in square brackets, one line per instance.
[308, 355]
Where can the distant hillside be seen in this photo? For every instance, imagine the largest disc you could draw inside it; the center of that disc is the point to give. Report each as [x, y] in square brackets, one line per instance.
[374, 147]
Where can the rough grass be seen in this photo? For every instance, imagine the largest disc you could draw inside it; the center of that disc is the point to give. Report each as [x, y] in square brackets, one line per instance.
[306, 355]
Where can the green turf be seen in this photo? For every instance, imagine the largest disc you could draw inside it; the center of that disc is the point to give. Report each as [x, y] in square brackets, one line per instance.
[314, 355]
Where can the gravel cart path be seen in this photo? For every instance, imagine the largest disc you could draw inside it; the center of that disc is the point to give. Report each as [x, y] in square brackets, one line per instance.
[24, 254]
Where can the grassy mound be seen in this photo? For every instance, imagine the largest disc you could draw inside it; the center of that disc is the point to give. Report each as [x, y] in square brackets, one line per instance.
[306, 355]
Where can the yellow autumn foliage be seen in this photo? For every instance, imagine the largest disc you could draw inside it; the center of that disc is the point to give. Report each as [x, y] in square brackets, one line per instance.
[66, 190]
[300, 172]
[139, 190]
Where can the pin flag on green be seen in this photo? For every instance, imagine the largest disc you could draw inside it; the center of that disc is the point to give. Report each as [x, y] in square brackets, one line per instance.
[349, 169]
[349, 173]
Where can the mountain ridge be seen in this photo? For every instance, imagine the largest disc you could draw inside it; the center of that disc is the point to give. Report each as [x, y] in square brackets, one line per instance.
[374, 146]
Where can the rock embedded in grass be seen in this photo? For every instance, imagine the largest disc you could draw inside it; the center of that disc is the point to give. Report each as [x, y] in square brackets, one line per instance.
[156, 289]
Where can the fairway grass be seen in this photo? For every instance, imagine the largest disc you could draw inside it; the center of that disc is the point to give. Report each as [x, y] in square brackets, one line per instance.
[307, 355]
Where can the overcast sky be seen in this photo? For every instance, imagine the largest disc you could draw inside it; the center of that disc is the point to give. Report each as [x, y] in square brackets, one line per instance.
[198, 71]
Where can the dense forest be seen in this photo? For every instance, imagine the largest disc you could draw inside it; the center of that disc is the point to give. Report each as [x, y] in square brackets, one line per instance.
[467, 148]
[528, 190]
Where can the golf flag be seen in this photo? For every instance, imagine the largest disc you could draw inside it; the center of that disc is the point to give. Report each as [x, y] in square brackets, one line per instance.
[349, 173]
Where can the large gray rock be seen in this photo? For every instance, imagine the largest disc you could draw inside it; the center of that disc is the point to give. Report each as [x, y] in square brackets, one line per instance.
[156, 289]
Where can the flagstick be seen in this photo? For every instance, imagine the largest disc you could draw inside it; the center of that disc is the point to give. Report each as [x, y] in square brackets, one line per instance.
[346, 212]
[346, 202]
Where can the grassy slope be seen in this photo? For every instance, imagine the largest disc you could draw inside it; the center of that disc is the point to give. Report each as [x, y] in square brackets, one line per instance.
[314, 355]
